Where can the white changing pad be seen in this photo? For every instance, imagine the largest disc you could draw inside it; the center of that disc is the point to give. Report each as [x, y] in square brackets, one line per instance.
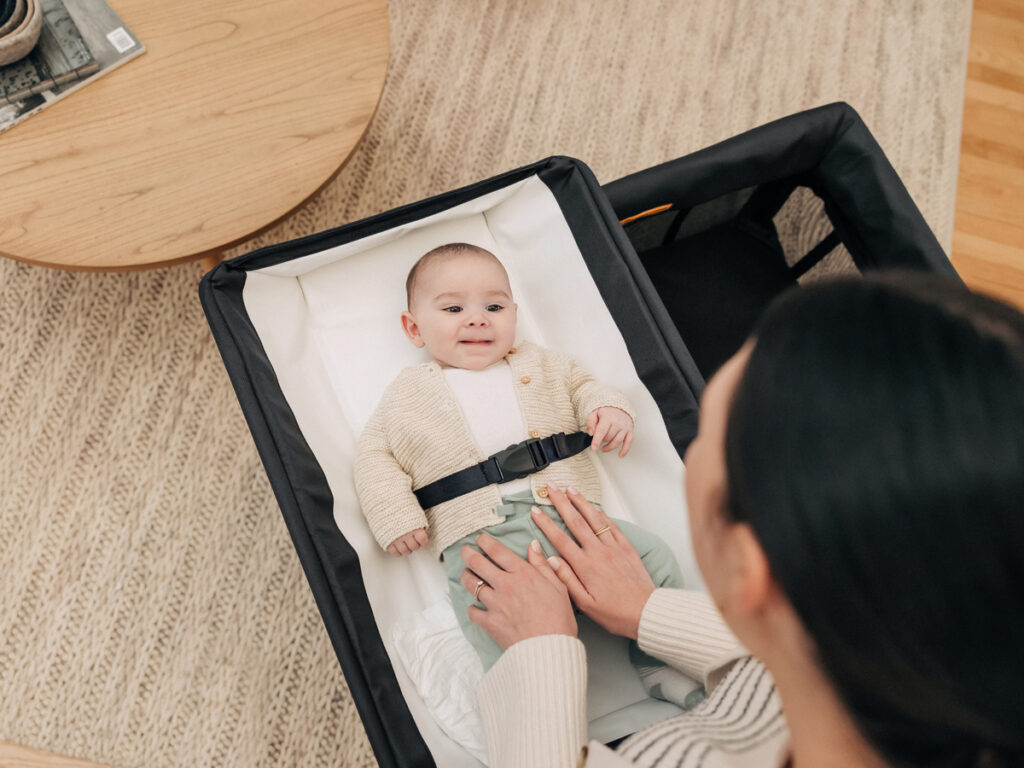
[329, 323]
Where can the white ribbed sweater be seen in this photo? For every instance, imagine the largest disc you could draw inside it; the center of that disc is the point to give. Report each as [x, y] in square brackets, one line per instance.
[533, 701]
[417, 435]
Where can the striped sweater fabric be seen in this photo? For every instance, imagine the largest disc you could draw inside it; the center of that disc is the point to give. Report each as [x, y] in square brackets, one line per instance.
[533, 701]
[740, 725]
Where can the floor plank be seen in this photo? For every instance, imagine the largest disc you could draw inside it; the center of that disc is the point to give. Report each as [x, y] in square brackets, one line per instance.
[988, 238]
[1009, 9]
[16, 756]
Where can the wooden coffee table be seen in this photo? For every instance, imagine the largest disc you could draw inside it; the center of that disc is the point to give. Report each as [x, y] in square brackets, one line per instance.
[238, 111]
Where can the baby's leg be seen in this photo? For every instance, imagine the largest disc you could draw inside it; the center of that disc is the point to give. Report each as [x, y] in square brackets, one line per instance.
[485, 647]
[655, 554]
[516, 533]
[660, 680]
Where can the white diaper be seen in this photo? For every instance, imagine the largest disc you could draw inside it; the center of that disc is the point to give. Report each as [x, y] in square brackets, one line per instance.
[446, 671]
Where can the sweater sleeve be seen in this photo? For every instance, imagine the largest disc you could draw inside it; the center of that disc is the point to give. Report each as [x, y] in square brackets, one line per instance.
[533, 704]
[383, 487]
[588, 394]
[685, 630]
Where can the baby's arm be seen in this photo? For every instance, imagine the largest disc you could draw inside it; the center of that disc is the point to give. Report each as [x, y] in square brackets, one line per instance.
[385, 493]
[609, 416]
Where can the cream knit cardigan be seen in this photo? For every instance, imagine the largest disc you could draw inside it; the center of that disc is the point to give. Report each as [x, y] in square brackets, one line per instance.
[418, 435]
[533, 700]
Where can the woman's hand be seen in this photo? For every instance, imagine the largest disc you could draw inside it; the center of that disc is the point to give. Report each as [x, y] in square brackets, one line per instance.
[524, 598]
[603, 572]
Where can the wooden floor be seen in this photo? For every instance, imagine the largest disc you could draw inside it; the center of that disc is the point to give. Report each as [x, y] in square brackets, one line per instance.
[988, 239]
[17, 756]
[988, 242]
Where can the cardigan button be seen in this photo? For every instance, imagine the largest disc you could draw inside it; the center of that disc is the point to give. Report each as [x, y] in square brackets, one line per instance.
[534, 433]
[542, 492]
[512, 351]
[525, 379]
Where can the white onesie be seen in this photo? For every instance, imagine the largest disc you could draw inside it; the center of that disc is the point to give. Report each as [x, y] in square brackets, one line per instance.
[490, 406]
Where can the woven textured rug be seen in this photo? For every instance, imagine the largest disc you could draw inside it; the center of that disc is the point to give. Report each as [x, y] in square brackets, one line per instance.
[152, 609]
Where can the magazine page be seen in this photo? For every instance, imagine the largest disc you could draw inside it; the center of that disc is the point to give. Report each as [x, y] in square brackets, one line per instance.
[80, 41]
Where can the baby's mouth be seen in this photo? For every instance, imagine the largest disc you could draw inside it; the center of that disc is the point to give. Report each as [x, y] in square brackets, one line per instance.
[475, 341]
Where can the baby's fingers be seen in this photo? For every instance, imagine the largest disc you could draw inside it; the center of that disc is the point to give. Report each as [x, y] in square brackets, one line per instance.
[626, 444]
[613, 440]
[421, 537]
[600, 434]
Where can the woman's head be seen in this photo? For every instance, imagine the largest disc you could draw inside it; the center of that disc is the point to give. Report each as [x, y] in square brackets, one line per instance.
[874, 445]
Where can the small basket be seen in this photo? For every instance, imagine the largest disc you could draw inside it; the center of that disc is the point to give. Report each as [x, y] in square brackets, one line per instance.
[21, 32]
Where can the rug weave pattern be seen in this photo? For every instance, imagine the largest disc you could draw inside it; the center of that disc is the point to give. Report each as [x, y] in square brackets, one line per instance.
[152, 609]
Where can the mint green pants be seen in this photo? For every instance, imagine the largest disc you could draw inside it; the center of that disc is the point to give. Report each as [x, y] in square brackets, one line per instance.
[516, 532]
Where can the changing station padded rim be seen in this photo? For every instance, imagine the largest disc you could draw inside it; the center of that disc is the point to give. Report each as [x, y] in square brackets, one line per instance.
[331, 565]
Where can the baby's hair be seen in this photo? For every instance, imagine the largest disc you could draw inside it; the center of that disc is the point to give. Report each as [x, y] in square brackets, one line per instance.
[440, 253]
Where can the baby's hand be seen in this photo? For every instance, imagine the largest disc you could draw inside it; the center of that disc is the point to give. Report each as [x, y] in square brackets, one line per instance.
[410, 542]
[611, 427]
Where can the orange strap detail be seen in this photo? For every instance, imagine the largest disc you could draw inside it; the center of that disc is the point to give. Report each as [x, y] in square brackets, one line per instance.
[645, 214]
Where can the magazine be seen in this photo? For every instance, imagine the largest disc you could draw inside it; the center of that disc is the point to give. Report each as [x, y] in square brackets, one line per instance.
[80, 41]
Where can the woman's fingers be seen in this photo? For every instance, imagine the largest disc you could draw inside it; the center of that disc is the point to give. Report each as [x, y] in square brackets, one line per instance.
[504, 557]
[535, 556]
[565, 574]
[596, 519]
[480, 565]
[560, 540]
[470, 582]
[527, 602]
[572, 518]
[479, 617]
[495, 561]
[581, 517]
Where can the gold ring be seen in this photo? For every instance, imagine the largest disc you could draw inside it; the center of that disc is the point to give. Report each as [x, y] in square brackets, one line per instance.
[606, 528]
[479, 586]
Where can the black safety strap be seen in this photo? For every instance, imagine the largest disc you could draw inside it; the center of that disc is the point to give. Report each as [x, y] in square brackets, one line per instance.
[516, 461]
[816, 254]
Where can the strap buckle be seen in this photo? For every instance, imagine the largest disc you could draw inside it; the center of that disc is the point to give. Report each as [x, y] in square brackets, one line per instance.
[520, 460]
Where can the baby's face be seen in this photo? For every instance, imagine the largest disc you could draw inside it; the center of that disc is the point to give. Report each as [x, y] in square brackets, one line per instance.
[462, 311]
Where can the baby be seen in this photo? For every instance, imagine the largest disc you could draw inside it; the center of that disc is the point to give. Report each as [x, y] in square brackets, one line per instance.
[482, 393]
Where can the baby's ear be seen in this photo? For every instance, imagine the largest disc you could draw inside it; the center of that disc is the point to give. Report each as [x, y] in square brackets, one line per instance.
[412, 330]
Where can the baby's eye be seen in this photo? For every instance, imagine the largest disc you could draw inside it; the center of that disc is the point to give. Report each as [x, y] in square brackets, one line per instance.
[452, 309]
[494, 307]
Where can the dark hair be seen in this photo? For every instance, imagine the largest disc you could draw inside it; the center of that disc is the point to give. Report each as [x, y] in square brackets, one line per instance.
[875, 444]
[440, 252]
